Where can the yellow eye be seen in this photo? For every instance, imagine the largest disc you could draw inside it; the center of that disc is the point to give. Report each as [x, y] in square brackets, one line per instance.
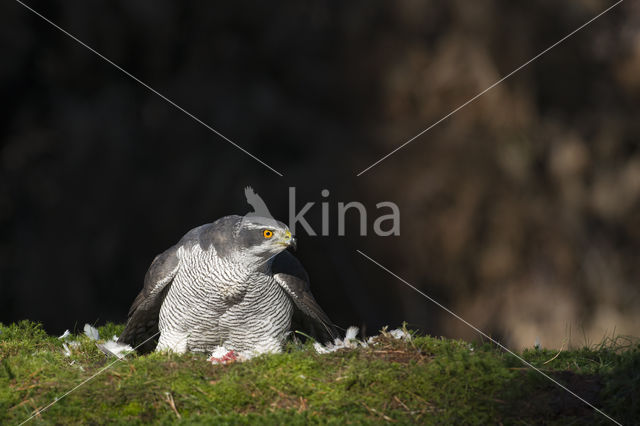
[267, 234]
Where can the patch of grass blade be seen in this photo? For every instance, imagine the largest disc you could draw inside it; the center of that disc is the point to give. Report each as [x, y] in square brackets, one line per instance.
[423, 380]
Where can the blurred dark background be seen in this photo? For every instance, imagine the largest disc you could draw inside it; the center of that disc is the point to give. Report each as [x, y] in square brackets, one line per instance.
[521, 212]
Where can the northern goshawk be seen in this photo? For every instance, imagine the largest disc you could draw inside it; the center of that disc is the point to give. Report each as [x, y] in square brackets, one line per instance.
[229, 284]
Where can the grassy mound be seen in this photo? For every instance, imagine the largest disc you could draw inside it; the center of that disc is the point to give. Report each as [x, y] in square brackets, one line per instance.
[424, 380]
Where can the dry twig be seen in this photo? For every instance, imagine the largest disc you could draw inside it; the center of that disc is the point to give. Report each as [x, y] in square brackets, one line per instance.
[172, 403]
[556, 355]
[378, 413]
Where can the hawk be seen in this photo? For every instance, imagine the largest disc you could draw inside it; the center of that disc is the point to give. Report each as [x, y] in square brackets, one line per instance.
[229, 284]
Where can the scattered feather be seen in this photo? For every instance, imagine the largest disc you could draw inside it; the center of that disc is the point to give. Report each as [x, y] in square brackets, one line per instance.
[65, 350]
[321, 349]
[352, 332]
[222, 355]
[65, 334]
[399, 333]
[219, 352]
[112, 348]
[67, 347]
[349, 342]
[77, 365]
[91, 332]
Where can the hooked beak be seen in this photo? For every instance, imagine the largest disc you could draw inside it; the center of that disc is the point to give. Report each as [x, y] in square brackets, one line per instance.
[290, 240]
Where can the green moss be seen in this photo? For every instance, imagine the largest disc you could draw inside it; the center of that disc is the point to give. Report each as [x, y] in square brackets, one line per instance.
[426, 380]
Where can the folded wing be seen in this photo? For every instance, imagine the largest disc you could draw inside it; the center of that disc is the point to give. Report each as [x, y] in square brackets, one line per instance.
[308, 316]
[144, 313]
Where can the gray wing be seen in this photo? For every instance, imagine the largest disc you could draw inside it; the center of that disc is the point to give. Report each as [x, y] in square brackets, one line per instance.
[308, 316]
[145, 310]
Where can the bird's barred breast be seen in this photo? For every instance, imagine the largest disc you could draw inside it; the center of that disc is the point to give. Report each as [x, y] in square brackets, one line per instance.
[217, 303]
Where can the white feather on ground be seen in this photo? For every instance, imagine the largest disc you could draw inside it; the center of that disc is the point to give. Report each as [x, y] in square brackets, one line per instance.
[91, 332]
[219, 352]
[68, 346]
[119, 350]
[219, 356]
[350, 341]
[65, 350]
[399, 333]
[113, 348]
[110, 347]
[351, 333]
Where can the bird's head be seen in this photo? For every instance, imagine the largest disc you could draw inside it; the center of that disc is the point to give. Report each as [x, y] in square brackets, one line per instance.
[262, 238]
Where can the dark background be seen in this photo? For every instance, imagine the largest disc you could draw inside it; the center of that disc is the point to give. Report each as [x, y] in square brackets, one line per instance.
[521, 212]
